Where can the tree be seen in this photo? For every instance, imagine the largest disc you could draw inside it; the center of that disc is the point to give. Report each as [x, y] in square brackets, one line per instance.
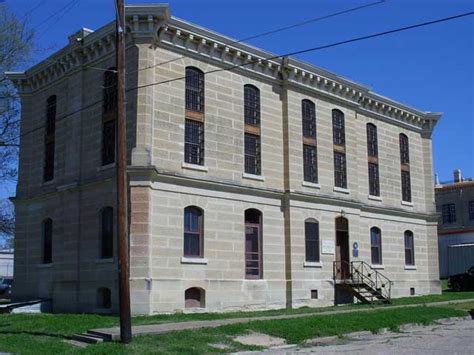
[16, 42]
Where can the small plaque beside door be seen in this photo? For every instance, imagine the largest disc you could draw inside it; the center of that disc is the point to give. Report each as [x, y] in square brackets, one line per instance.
[327, 247]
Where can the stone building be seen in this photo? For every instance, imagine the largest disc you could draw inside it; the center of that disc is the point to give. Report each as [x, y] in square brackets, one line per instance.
[250, 175]
[455, 205]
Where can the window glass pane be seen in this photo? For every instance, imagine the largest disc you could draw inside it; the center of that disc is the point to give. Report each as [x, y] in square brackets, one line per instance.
[252, 154]
[252, 105]
[338, 128]
[376, 245]
[107, 232]
[312, 241]
[374, 186]
[194, 90]
[108, 142]
[110, 91]
[309, 119]
[191, 244]
[372, 145]
[47, 241]
[404, 150]
[194, 142]
[310, 163]
[340, 179]
[253, 265]
[406, 186]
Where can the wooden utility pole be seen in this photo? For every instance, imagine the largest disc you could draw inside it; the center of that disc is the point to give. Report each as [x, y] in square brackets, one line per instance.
[122, 188]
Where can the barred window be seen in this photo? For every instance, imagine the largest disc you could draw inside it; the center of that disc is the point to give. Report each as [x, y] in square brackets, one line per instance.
[47, 227]
[109, 92]
[409, 248]
[252, 154]
[194, 89]
[311, 233]
[372, 146]
[376, 245]
[471, 210]
[49, 139]
[340, 177]
[194, 142]
[252, 105]
[404, 149]
[406, 186]
[374, 185]
[107, 232]
[338, 128]
[449, 213]
[309, 119]
[193, 231]
[310, 163]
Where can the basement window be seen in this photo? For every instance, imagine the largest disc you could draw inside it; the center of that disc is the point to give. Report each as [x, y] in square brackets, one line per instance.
[104, 298]
[412, 291]
[194, 298]
[314, 294]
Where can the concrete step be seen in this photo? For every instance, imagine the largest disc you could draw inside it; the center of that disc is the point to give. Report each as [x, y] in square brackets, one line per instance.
[88, 338]
[105, 336]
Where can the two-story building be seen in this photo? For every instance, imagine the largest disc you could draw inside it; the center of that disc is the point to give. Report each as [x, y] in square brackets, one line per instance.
[255, 181]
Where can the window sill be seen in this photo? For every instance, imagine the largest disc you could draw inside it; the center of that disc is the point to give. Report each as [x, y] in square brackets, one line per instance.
[410, 267]
[105, 261]
[195, 167]
[186, 260]
[313, 264]
[341, 190]
[44, 266]
[374, 198]
[377, 267]
[105, 167]
[47, 183]
[311, 184]
[406, 203]
[253, 177]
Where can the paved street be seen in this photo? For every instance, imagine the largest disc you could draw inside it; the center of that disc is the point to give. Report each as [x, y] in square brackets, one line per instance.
[449, 338]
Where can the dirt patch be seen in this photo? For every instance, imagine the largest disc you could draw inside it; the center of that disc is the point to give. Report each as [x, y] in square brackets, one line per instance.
[259, 339]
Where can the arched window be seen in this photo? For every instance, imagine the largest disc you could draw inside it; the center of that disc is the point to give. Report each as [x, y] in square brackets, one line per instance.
[373, 158]
[338, 127]
[310, 161]
[109, 110]
[339, 146]
[409, 248]
[104, 298]
[194, 89]
[252, 142]
[193, 232]
[195, 297]
[49, 138]
[252, 105]
[311, 236]
[107, 232]
[253, 241]
[405, 168]
[376, 245]
[47, 241]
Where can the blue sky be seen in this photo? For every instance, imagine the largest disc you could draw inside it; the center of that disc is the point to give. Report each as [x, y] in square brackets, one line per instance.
[429, 68]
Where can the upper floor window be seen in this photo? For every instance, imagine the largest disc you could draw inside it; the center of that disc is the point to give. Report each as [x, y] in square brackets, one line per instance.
[311, 234]
[49, 139]
[340, 175]
[194, 142]
[376, 245]
[252, 154]
[409, 248]
[107, 232]
[252, 105]
[471, 210]
[449, 213]
[372, 145]
[194, 89]
[253, 244]
[193, 231]
[309, 119]
[47, 232]
[404, 149]
[338, 128]
[109, 111]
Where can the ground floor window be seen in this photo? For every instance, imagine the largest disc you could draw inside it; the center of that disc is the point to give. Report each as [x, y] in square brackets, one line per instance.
[194, 297]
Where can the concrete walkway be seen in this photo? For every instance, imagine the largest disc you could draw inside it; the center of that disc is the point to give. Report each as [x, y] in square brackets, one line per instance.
[155, 329]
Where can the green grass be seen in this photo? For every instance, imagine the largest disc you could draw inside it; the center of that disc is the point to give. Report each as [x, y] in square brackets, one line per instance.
[35, 334]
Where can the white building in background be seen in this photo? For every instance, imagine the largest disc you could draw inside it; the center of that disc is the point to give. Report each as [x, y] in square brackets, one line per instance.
[6, 263]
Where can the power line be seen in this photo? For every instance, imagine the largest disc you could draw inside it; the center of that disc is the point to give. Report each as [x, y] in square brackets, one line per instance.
[280, 29]
[60, 13]
[379, 34]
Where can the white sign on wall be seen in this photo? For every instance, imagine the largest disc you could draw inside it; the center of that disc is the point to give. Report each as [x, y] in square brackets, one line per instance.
[328, 247]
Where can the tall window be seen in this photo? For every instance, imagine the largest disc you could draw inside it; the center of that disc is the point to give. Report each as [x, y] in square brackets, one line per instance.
[253, 241]
[310, 168]
[405, 168]
[311, 236]
[471, 210]
[109, 115]
[376, 245]
[252, 144]
[409, 248]
[47, 241]
[194, 122]
[373, 160]
[107, 232]
[193, 232]
[49, 139]
[339, 146]
[449, 213]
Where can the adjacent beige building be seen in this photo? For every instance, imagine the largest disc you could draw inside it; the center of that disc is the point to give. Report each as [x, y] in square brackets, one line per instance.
[241, 170]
